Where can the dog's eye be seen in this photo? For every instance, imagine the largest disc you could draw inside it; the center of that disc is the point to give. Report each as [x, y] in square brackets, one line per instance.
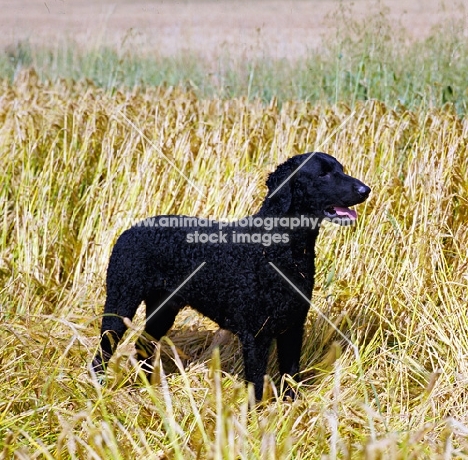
[324, 174]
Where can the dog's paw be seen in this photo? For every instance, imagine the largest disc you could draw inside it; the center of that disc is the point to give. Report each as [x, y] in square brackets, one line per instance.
[96, 371]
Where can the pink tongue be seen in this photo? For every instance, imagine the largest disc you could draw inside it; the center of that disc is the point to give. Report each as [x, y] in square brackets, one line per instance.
[350, 213]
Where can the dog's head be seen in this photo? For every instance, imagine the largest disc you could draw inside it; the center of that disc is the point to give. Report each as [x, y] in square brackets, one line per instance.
[314, 184]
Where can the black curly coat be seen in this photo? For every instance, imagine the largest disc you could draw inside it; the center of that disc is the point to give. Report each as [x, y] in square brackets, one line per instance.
[236, 286]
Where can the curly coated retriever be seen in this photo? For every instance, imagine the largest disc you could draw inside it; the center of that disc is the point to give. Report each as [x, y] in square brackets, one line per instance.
[246, 275]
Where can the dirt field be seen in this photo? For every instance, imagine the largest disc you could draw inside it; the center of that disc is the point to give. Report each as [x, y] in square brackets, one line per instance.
[276, 28]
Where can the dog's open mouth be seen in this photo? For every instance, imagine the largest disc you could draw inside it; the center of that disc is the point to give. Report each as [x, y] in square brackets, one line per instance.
[340, 214]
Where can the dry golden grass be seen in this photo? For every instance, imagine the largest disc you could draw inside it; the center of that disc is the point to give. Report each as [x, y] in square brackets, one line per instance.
[75, 172]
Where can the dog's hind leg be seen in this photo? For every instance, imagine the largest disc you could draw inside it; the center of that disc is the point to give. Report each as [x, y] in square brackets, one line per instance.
[117, 308]
[160, 316]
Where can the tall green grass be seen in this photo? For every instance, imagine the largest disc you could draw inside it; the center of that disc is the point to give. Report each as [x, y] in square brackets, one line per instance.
[370, 59]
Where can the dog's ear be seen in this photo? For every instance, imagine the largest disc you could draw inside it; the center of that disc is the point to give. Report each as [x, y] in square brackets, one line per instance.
[279, 192]
[279, 183]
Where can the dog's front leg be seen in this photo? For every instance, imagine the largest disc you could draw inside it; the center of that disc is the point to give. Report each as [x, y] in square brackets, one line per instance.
[289, 345]
[256, 351]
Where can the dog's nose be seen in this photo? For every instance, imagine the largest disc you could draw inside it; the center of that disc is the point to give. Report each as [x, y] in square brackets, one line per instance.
[363, 190]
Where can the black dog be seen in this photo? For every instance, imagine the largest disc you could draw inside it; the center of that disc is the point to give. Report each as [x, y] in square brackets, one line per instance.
[234, 273]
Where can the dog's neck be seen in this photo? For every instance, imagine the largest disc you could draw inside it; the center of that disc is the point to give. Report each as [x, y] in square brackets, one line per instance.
[301, 242]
